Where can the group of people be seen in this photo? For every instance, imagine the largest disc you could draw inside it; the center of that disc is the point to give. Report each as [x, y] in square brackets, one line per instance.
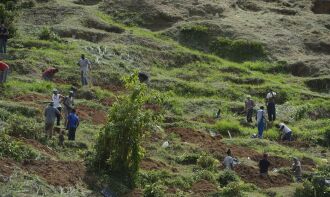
[53, 115]
[263, 165]
[261, 115]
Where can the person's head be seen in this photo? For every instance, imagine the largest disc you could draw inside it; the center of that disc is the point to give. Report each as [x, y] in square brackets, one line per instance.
[71, 93]
[55, 91]
[73, 111]
[82, 56]
[265, 156]
[229, 152]
[248, 97]
[262, 107]
[281, 126]
[55, 70]
[295, 159]
[51, 104]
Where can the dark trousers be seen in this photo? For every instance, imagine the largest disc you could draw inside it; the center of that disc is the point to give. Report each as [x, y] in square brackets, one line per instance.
[3, 46]
[84, 78]
[72, 134]
[287, 136]
[271, 111]
[3, 76]
[58, 118]
[249, 115]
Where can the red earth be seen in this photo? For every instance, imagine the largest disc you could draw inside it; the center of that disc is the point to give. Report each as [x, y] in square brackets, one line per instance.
[203, 187]
[88, 113]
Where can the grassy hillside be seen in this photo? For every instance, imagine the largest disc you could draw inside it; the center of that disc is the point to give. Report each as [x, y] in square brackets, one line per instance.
[195, 83]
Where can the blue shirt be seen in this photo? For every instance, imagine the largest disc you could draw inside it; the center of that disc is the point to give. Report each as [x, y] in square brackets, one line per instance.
[73, 121]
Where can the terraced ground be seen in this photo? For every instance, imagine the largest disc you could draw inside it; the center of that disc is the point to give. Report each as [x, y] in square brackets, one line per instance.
[201, 56]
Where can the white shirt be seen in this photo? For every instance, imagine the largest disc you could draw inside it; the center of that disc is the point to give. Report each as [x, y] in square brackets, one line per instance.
[57, 100]
[260, 115]
[84, 64]
[228, 162]
[270, 95]
[285, 128]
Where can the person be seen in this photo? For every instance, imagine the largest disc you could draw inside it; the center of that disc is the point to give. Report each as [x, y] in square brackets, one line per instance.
[3, 38]
[218, 114]
[4, 69]
[249, 105]
[68, 102]
[228, 162]
[49, 73]
[286, 132]
[50, 114]
[261, 121]
[85, 66]
[143, 77]
[56, 98]
[271, 108]
[264, 165]
[296, 168]
[73, 123]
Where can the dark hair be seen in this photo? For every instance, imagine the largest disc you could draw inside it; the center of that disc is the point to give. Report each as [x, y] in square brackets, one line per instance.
[73, 110]
[265, 155]
[229, 152]
[83, 56]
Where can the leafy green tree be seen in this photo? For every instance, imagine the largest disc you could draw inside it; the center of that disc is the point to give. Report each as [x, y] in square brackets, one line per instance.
[118, 147]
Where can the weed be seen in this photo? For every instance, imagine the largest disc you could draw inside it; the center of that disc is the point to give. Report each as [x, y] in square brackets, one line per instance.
[227, 177]
[231, 125]
[207, 162]
[20, 126]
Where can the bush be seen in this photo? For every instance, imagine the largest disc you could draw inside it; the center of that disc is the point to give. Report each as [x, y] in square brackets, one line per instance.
[47, 34]
[207, 162]
[187, 159]
[238, 50]
[233, 126]
[20, 126]
[205, 175]
[147, 178]
[227, 177]
[154, 190]
[118, 149]
[28, 4]
[15, 150]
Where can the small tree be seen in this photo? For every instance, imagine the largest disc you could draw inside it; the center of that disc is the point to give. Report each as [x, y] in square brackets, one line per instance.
[118, 147]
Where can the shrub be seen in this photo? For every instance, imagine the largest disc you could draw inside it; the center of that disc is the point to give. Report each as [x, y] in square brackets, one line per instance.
[238, 50]
[118, 149]
[232, 189]
[187, 159]
[47, 34]
[195, 36]
[154, 190]
[207, 162]
[205, 175]
[15, 150]
[233, 126]
[8, 11]
[28, 4]
[147, 178]
[20, 126]
[227, 177]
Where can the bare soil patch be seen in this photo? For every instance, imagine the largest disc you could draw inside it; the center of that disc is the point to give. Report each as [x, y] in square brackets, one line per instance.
[6, 167]
[96, 116]
[42, 148]
[275, 161]
[149, 164]
[203, 187]
[31, 97]
[251, 175]
[57, 173]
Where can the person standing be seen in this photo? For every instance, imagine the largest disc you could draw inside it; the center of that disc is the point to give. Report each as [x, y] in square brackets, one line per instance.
[72, 124]
[228, 162]
[3, 38]
[50, 114]
[4, 69]
[271, 108]
[49, 73]
[68, 103]
[286, 132]
[296, 168]
[264, 165]
[261, 121]
[249, 105]
[85, 67]
[56, 98]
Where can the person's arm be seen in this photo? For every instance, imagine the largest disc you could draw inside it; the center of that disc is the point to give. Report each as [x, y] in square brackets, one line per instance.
[78, 122]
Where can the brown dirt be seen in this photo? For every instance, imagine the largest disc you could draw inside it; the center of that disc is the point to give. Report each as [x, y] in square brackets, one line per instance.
[212, 144]
[295, 144]
[32, 97]
[275, 161]
[251, 175]
[149, 164]
[96, 116]
[153, 107]
[203, 187]
[204, 119]
[108, 101]
[44, 149]
[135, 193]
[6, 166]
[57, 173]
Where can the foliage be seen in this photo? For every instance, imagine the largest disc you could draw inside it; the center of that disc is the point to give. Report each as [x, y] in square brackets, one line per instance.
[205, 175]
[207, 162]
[187, 159]
[48, 34]
[238, 50]
[327, 137]
[14, 149]
[231, 125]
[227, 177]
[147, 178]
[20, 126]
[118, 147]
[194, 35]
[8, 12]
[154, 190]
